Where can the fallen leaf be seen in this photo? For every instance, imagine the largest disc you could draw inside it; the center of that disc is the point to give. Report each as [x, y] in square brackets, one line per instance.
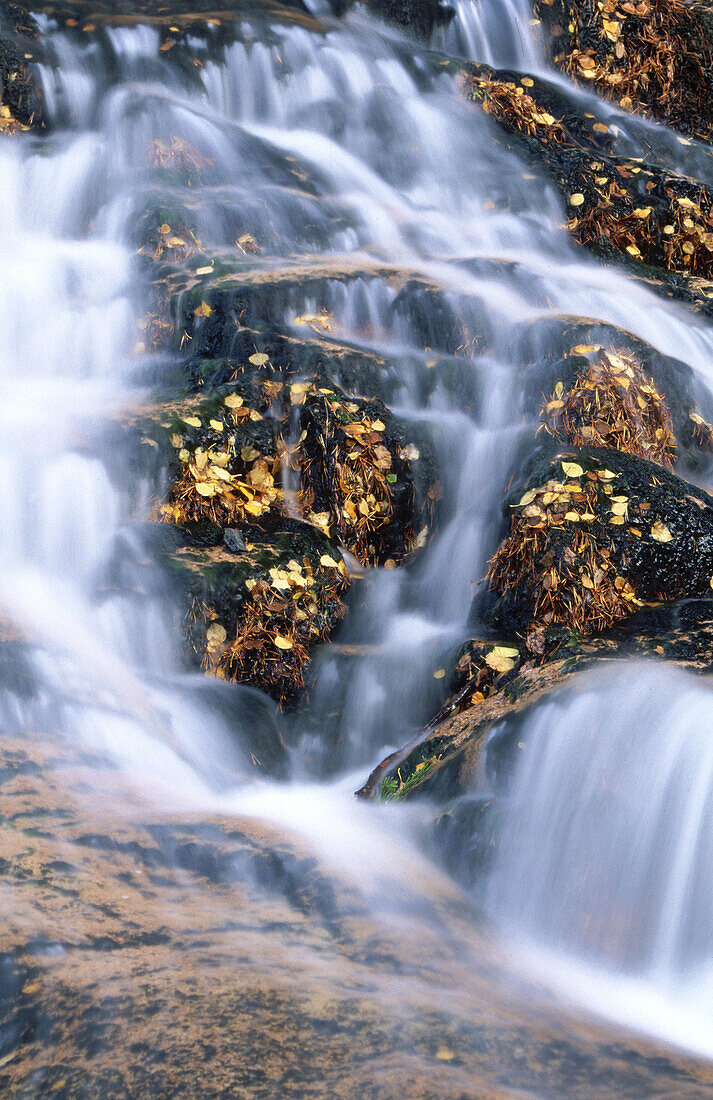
[660, 532]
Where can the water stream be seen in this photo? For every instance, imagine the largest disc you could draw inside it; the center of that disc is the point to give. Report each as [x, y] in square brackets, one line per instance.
[611, 800]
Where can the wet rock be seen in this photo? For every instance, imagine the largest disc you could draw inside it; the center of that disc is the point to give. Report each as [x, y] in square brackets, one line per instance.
[595, 534]
[363, 478]
[254, 615]
[653, 57]
[419, 16]
[20, 101]
[606, 400]
[563, 350]
[650, 216]
[444, 758]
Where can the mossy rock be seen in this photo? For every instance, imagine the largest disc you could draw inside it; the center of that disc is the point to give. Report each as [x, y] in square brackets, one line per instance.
[443, 761]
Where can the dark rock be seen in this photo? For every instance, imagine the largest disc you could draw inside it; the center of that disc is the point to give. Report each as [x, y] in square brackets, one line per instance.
[595, 534]
[253, 616]
[655, 58]
[20, 100]
[444, 758]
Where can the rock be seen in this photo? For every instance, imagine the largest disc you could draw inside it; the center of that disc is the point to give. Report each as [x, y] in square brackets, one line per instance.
[153, 951]
[20, 99]
[646, 214]
[420, 16]
[254, 615]
[569, 351]
[370, 485]
[654, 58]
[595, 534]
[442, 760]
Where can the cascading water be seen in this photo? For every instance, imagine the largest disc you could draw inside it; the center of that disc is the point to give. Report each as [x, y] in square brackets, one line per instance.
[601, 865]
[372, 127]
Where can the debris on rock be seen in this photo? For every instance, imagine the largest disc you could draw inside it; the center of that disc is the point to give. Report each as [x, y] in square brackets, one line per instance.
[610, 402]
[255, 613]
[595, 535]
[653, 57]
[357, 476]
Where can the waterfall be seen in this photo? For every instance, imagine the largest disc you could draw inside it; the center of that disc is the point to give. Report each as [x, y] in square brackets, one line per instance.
[602, 862]
[338, 147]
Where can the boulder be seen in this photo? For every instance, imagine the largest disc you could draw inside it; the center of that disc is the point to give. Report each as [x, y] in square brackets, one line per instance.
[653, 57]
[497, 684]
[595, 534]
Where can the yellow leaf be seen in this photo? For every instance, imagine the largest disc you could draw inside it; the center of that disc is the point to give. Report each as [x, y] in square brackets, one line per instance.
[499, 664]
[233, 400]
[441, 671]
[204, 270]
[282, 643]
[577, 199]
[216, 634]
[572, 469]
[258, 359]
[205, 490]
[573, 517]
[660, 532]
[164, 229]
[203, 310]
[505, 651]
[326, 560]
[378, 425]
[192, 420]
[527, 497]
[217, 425]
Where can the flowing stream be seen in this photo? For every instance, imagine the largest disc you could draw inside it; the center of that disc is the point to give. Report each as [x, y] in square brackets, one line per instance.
[603, 869]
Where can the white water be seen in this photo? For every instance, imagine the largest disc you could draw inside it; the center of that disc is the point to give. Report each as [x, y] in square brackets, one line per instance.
[603, 866]
[401, 171]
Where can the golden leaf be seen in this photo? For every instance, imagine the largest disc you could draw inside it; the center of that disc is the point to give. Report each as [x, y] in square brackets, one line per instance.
[282, 643]
[330, 562]
[577, 199]
[216, 634]
[660, 532]
[572, 469]
[258, 359]
[499, 664]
